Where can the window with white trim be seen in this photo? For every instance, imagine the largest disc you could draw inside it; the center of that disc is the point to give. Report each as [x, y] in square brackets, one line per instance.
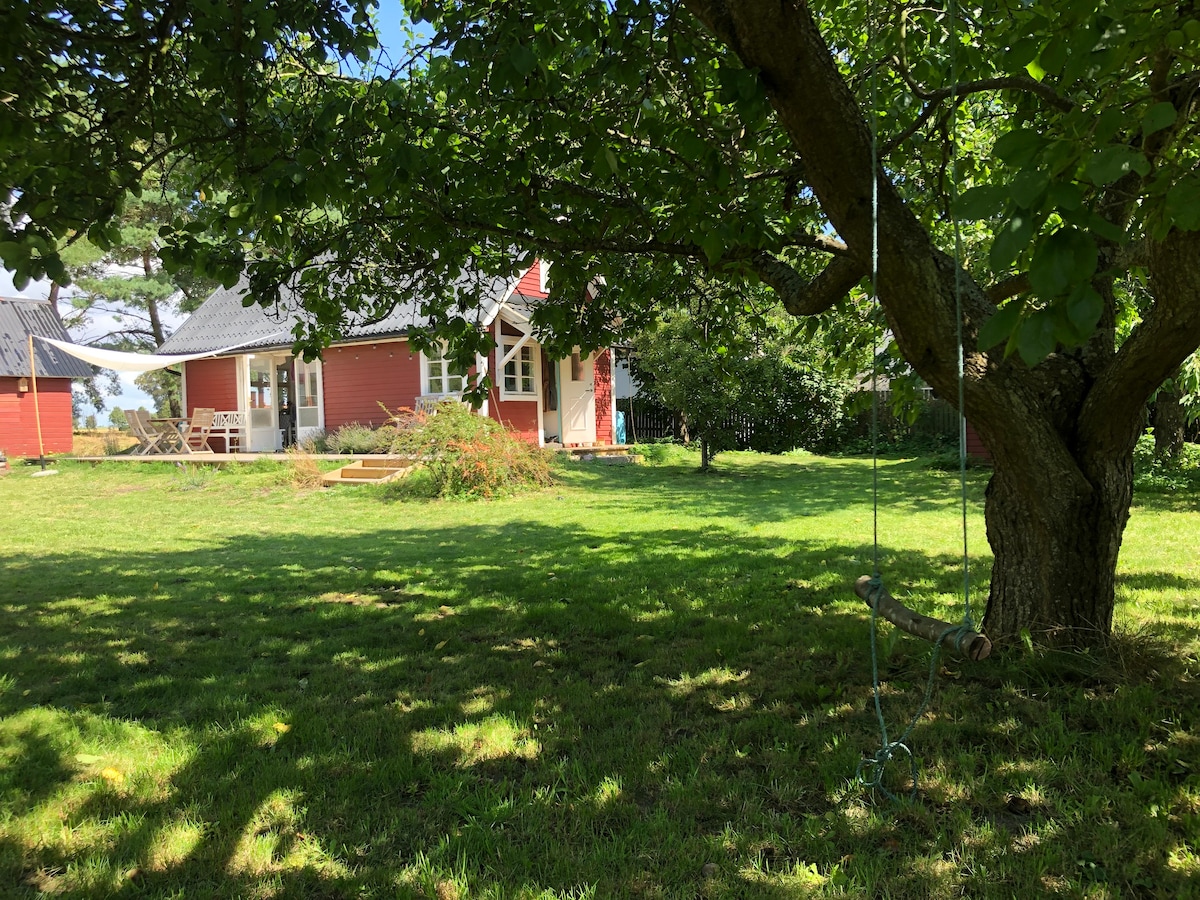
[442, 377]
[518, 380]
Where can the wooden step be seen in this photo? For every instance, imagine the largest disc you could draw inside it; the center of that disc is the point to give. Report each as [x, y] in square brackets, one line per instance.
[376, 470]
[386, 462]
[367, 473]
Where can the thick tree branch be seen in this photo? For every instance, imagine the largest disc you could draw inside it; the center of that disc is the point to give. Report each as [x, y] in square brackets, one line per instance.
[804, 296]
[1167, 335]
[1008, 287]
[823, 119]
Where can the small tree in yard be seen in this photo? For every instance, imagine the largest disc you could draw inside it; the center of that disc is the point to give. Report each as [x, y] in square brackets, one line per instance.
[695, 376]
[720, 378]
[1176, 406]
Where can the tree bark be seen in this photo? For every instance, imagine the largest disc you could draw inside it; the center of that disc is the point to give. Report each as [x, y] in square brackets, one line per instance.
[160, 335]
[1169, 420]
[1054, 574]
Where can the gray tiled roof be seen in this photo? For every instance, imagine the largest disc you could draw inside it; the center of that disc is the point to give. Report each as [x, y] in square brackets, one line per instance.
[222, 320]
[21, 318]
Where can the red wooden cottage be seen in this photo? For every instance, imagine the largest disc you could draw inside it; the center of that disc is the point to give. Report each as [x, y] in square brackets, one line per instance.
[55, 369]
[268, 397]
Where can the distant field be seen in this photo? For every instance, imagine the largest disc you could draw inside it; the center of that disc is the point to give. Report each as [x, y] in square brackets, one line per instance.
[642, 682]
[101, 442]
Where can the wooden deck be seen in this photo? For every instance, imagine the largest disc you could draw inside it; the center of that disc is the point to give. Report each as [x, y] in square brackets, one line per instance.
[216, 457]
[367, 458]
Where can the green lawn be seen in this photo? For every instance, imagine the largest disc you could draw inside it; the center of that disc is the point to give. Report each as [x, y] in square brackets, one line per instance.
[643, 682]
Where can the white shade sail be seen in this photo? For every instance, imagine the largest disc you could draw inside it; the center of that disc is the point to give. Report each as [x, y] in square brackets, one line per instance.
[139, 362]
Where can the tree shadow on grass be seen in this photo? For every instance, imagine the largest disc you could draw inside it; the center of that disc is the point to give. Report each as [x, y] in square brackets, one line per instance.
[769, 490]
[525, 707]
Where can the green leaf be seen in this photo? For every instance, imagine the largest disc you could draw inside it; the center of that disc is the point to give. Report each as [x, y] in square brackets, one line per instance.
[986, 201]
[1035, 340]
[1022, 53]
[1002, 324]
[1182, 207]
[1157, 117]
[55, 270]
[713, 246]
[1028, 189]
[1065, 195]
[1018, 148]
[1064, 259]
[522, 59]
[1084, 308]
[1054, 55]
[1107, 124]
[1112, 163]
[1012, 239]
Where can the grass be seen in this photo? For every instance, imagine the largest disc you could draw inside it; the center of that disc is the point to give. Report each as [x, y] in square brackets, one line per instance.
[641, 682]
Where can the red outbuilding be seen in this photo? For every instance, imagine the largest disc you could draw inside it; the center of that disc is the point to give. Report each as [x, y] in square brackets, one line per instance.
[20, 410]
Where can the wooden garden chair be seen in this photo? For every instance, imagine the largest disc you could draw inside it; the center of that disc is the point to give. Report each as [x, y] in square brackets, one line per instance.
[195, 438]
[148, 437]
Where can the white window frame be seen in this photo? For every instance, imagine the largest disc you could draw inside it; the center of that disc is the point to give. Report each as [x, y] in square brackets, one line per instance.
[304, 369]
[510, 351]
[427, 363]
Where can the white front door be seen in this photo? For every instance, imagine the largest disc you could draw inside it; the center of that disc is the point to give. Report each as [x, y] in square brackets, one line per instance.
[577, 398]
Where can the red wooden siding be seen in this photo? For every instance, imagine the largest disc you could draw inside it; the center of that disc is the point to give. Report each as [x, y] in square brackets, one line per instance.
[603, 395]
[531, 282]
[975, 445]
[18, 425]
[212, 383]
[358, 378]
[518, 416]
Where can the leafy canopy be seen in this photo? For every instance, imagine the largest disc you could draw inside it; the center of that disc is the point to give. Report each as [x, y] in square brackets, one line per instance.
[590, 132]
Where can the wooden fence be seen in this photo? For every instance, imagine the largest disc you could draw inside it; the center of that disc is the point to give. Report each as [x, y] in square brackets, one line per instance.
[649, 421]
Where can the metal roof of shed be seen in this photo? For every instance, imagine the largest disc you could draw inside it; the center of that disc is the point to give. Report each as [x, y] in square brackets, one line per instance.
[20, 318]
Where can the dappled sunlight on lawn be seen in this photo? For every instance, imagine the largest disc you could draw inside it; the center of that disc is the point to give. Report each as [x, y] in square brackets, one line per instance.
[608, 685]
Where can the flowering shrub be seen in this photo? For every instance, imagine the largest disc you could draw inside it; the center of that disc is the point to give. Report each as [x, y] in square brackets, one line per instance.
[469, 455]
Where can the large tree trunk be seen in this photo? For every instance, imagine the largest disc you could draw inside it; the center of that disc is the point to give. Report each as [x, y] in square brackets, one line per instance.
[1054, 574]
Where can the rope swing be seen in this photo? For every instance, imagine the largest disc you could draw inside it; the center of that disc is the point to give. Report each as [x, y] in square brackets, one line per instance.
[962, 638]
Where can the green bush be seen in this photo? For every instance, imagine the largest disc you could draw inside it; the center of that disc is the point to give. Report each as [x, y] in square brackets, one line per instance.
[1159, 476]
[660, 453]
[356, 438]
[468, 455]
